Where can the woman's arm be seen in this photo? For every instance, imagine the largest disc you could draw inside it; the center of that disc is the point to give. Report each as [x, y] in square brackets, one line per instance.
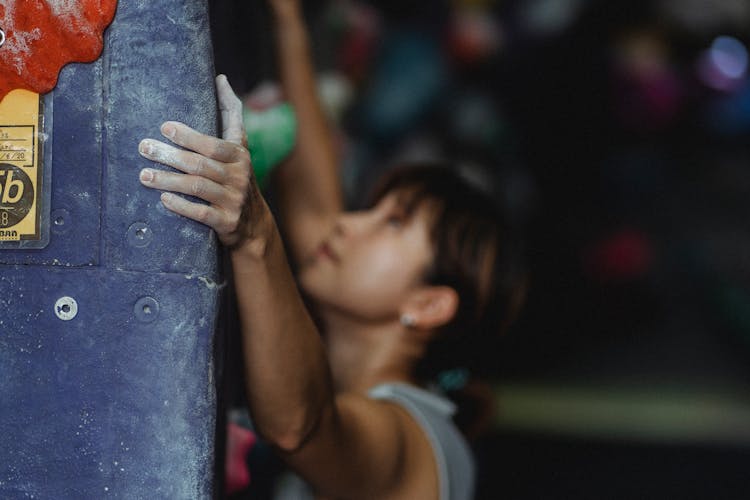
[343, 445]
[308, 183]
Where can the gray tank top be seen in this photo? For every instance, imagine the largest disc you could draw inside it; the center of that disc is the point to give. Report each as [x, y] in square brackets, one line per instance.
[434, 414]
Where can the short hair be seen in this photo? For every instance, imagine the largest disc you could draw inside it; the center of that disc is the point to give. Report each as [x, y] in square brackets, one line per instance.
[478, 253]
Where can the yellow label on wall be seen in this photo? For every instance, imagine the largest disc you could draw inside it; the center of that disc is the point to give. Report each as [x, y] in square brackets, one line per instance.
[20, 166]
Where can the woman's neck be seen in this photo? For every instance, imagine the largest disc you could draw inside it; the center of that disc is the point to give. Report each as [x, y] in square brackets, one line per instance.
[363, 354]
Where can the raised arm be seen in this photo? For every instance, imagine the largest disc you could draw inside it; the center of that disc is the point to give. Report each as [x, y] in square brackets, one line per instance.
[308, 183]
[344, 445]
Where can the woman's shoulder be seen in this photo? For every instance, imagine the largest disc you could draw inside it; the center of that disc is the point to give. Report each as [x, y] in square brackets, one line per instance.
[434, 412]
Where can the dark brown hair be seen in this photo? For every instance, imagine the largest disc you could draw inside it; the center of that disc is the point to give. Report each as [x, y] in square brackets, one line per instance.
[477, 253]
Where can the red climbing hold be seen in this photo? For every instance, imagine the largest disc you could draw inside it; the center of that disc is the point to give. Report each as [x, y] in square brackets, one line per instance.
[42, 36]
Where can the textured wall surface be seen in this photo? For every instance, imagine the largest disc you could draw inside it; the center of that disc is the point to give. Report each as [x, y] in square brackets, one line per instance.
[120, 400]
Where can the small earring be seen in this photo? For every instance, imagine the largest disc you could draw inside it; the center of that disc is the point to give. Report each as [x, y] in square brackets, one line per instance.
[408, 320]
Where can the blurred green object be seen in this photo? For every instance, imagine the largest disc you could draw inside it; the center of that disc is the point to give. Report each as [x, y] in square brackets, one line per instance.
[271, 134]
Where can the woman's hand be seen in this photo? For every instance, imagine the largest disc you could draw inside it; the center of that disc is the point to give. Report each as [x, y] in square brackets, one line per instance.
[215, 170]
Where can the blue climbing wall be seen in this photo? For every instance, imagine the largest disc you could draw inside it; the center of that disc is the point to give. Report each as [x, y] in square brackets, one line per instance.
[120, 400]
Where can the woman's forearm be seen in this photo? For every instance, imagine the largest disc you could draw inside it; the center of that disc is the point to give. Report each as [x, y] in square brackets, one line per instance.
[310, 181]
[288, 380]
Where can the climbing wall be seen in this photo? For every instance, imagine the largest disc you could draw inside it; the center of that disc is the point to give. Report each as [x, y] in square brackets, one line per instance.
[107, 332]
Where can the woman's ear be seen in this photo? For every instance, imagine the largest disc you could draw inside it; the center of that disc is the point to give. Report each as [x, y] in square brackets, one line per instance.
[430, 307]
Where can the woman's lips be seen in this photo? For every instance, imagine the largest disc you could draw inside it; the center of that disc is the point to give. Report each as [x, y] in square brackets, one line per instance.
[325, 250]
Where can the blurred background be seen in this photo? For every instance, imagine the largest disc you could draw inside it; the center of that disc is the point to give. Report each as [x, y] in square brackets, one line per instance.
[618, 134]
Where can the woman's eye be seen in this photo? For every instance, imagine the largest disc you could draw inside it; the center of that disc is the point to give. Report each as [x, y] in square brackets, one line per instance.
[395, 221]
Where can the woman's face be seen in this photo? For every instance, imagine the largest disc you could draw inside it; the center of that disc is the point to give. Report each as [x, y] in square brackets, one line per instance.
[371, 261]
